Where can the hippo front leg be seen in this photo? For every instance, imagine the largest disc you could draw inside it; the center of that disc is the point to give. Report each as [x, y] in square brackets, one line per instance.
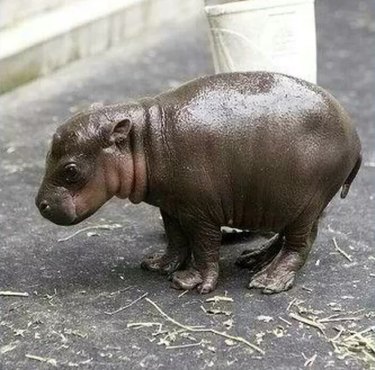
[177, 254]
[204, 272]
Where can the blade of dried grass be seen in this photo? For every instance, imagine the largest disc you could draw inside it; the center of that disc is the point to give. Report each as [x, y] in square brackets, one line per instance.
[205, 330]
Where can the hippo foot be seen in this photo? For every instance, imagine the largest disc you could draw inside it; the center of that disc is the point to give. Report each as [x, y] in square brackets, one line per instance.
[278, 275]
[191, 278]
[162, 263]
[186, 279]
[273, 280]
[256, 260]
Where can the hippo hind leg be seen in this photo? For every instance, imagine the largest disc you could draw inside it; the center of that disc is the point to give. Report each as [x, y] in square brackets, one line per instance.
[279, 275]
[257, 259]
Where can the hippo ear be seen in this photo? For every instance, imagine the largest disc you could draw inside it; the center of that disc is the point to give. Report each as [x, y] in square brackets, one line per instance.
[120, 131]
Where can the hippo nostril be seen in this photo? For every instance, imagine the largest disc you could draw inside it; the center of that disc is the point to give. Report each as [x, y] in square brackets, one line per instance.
[44, 206]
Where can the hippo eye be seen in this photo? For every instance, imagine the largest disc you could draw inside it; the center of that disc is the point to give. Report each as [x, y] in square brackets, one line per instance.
[71, 173]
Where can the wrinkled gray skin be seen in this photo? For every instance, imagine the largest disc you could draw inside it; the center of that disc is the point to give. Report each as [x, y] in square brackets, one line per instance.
[260, 151]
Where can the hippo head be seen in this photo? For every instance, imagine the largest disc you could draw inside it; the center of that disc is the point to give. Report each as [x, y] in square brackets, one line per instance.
[89, 162]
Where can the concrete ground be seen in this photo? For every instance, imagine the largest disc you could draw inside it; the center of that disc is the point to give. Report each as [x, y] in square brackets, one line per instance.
[75, 286]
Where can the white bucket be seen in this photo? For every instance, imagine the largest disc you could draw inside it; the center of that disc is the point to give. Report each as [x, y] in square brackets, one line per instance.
[267, 35]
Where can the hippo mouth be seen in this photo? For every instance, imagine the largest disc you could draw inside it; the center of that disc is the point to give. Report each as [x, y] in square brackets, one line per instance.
[81, 217]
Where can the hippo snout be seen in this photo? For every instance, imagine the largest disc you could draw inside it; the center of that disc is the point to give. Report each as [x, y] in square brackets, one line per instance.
[58, 210]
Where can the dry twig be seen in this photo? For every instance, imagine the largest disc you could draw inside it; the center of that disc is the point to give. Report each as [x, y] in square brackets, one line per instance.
[8, 293]
[218, 298]
[184, 345]
[138, 325]
[97, 227]
[205, 330]
[346, 255]
[334, 319]
[286, 321]
[307, 321]
[310, 361]
[127, 306]
[50, 361]
[183, 293]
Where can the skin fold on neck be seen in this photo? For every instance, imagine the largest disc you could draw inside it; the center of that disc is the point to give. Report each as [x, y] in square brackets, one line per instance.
[132, 165]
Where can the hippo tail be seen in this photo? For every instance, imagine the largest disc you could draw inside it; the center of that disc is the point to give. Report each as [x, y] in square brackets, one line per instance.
[349, 180]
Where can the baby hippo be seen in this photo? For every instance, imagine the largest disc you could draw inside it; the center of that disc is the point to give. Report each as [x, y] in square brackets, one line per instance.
[259, 151]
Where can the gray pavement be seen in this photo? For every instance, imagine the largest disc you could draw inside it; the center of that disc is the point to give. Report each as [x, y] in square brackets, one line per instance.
[72, 285]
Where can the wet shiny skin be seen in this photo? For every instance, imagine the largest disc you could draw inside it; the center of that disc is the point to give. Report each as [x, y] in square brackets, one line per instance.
[259, 150]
